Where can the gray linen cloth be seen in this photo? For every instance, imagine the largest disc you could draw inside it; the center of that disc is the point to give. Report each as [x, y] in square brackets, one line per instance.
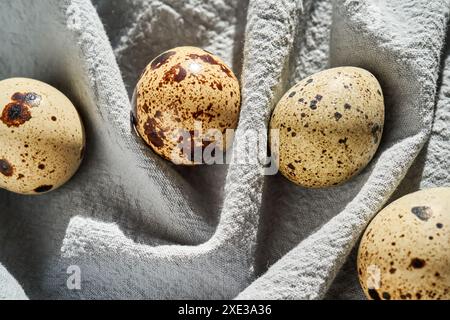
[137, 226]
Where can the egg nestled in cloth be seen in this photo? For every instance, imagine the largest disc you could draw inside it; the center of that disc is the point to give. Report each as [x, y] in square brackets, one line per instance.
[405, 251]
[183, 104]
[41, 137]
[330, 126]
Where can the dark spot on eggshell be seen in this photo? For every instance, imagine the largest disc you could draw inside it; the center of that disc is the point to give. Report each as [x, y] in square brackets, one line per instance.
[197, 114]
[439, 225]
[309, 81]
[318, 97]
[374, 294]
[176, 74]
[392, 270]
[347, 106]
[313, 104]
[216, 85]
[154, 133]
[375, 130]
[379, 92]
[386, 296]
[208, 58]
[417, 263]
[343, 141]
[43, 188]
[422, 212]
[20, 176]
[161, 59]
[6, 168]
[18, 96]
[291, 166]
[29, 98]
[41, 166]
[292, 94]
[15, 114]
[54, 118]
[337, 116]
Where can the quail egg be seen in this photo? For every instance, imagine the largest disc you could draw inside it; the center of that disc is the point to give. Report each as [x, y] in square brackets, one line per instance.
[405, 251]
[41, 137]
[330, 126]
[184, 102]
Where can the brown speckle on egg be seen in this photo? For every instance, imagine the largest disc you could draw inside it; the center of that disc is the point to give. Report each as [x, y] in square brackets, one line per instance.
[42, 189]
[417, 263]
[6, 168]
[418, 266]
[15, 114]
[386, 296]
[376, 129]
[313, 104]
[182, 89]
[30, 98]
[422, 212]
[322, 116]
[374, 294]
[154, 133]
[176, 74]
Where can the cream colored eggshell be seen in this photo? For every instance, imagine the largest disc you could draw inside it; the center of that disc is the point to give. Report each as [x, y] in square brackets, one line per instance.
[179, 87]
[405, 251]
[44, 148]
[330, 126]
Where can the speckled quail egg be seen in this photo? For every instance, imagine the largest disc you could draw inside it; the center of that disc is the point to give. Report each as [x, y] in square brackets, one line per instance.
[405, 251]
[330, 125]
[41, 137]
[184, 102]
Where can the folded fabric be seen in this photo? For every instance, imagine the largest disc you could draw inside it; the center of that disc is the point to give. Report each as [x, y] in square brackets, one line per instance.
[9, 288]
[136, 226]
